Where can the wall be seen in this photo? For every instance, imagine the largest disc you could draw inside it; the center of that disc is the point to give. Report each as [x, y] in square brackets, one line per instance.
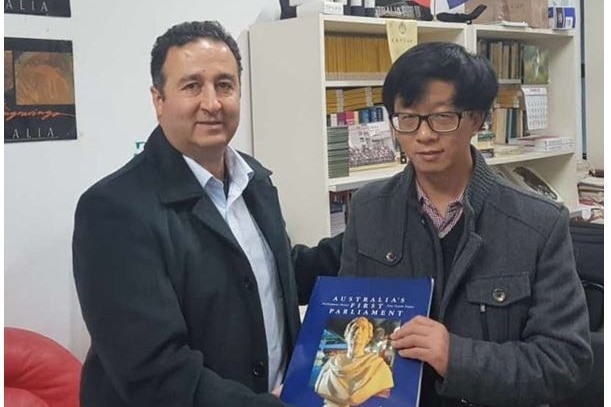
[112, 40]
[594, 78]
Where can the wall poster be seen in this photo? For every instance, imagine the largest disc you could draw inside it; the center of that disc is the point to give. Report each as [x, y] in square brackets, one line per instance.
[38, 90]
[53, 8]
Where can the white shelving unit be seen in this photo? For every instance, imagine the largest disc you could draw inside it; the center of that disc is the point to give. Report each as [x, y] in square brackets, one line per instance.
[564, 94]
[288, 86]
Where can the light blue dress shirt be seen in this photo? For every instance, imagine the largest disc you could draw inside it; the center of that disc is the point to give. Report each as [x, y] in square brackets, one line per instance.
[246, 231]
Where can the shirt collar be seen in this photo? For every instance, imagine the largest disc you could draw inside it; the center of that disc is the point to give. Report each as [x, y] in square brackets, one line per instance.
[238, 171]
[424, 200]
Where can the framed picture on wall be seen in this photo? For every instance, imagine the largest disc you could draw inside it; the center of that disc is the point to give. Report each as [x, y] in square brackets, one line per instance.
[38, 90]
[52, 8]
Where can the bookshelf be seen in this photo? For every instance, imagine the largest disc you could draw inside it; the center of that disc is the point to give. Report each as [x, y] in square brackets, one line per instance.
[288, 85]
[564, 94]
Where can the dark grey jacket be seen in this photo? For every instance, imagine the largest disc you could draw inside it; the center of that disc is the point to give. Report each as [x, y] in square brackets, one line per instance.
[513, 276]
[167, 293]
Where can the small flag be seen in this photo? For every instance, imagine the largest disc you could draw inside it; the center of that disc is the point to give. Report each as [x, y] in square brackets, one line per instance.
[424, 3]
[455, 3]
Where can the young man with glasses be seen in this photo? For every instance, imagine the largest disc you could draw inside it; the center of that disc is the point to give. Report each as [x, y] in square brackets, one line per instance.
[508, 323]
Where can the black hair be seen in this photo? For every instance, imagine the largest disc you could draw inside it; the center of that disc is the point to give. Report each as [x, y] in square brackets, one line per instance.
[473, 77]
[185, 33]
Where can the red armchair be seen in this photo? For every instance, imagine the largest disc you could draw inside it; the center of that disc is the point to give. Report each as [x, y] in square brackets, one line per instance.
[38, 372]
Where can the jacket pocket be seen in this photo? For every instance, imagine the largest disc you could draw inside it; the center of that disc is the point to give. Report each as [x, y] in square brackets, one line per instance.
[379, 257]
[502, 303]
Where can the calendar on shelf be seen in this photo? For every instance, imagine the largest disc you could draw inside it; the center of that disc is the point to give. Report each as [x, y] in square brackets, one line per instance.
[535, 100]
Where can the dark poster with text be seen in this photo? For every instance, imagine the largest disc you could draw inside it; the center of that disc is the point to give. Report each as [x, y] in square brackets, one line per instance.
[53, 8]
[38, 90]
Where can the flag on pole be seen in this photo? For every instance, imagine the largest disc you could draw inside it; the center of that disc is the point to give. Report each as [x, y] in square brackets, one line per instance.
[455, 3]
[423, 3]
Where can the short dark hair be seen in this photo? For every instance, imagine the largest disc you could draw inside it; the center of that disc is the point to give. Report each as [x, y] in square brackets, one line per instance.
[473, 77]
[185, 33]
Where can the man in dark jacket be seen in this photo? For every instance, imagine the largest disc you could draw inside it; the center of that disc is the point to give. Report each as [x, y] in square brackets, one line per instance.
[509, 324]
[185, 275]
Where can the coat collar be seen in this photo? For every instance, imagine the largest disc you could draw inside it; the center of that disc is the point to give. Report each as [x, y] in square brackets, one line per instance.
[177, 182]
[177, 185]
[478, 187]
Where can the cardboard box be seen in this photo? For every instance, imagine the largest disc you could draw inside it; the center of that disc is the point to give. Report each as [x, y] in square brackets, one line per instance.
[531, 12]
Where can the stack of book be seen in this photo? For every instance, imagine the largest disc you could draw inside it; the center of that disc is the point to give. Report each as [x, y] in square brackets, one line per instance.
[592, 199]
[546, 143]
[337, 151]
[504, 150]
[592, 189]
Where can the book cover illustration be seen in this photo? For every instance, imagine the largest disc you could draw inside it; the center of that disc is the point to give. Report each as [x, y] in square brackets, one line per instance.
[370, 144]
[343, 355]
[535, 63]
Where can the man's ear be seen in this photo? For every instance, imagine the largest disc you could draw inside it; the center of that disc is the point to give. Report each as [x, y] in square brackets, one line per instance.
[157, 98]
[479, 117]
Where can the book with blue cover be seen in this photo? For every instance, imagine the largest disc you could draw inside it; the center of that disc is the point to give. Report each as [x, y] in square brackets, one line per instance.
[343, 355]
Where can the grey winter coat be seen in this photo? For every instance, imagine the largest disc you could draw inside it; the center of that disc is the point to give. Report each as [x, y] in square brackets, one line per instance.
[513, 302]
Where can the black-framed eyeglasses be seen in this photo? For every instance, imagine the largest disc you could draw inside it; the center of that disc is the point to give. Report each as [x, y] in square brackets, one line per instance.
[442, 122]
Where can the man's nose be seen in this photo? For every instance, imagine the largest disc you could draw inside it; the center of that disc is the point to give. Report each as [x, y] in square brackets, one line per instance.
[209, 100]
[425, 132]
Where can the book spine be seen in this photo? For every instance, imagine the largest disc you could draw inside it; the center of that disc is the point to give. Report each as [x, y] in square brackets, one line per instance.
[346, 6]
[370, 8]
[356, 8]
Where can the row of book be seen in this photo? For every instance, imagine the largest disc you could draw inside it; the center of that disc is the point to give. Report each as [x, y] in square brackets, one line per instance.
[367, 115]
[507, 118]
[512, 60]
[347, 99]
[508, 125]
[350, 57]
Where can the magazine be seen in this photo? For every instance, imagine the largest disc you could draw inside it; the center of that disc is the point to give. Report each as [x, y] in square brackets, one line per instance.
[343, 355]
